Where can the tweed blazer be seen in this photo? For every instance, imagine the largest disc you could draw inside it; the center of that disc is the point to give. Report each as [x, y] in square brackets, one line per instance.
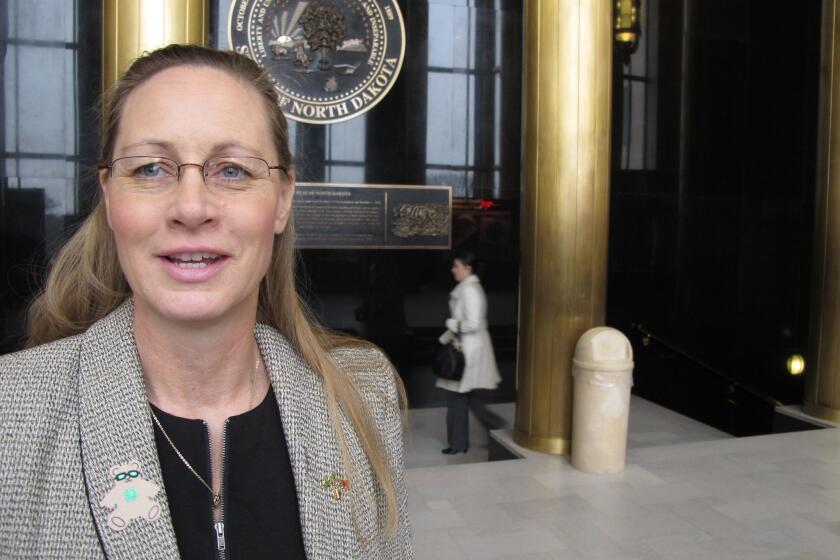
[73, 409]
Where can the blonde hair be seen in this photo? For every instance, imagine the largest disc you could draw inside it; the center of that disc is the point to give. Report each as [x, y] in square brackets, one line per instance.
[85, 281]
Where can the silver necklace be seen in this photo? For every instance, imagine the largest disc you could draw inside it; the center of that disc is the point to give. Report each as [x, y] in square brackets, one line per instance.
[217, 496]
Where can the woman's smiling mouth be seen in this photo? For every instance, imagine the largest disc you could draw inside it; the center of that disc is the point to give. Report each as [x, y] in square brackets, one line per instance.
[193, 260]
[193, 264]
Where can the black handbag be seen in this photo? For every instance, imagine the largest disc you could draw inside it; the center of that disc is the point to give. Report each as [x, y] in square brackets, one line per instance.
[449, 361]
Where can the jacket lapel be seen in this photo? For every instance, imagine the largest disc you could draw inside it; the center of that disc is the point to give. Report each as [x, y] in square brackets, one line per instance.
[457, 300]
[116, 430]
[326, 522]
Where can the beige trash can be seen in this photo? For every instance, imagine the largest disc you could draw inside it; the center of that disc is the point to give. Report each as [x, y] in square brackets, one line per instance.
[603, 373]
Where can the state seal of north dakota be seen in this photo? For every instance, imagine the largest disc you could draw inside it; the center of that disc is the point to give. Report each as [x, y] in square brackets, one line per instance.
[330, 60]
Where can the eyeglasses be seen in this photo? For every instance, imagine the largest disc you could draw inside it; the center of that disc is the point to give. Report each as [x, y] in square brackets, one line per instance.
[123, 475]
[159, 174]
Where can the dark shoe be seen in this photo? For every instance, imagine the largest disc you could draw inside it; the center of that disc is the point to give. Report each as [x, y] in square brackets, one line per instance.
[450, 451]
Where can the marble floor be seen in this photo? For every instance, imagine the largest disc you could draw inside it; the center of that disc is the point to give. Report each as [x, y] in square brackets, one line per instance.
[688, 492]
[650, 424]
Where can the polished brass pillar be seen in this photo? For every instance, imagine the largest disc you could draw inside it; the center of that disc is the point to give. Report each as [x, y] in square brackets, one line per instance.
[131, 27]
[822, 387]
[565, 203]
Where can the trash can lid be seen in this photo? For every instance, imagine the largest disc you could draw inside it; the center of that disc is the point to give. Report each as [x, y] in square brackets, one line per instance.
[603, 348]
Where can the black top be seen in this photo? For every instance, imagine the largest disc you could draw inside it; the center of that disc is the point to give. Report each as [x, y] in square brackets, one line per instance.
[259, 501]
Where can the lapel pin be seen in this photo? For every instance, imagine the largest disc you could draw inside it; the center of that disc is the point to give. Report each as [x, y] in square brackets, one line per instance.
[131, 497]
[336, 485]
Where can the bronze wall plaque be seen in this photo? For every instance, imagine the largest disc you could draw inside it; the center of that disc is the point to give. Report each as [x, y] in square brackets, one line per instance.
[345, 216]
[330, 60]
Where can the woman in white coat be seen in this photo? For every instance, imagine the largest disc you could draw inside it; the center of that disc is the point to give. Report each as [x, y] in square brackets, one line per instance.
[468, 317]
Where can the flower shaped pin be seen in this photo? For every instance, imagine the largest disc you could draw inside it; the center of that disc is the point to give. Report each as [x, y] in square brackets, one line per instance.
[336, 485]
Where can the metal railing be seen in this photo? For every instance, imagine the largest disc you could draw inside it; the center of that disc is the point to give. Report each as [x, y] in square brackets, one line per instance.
[648, 336]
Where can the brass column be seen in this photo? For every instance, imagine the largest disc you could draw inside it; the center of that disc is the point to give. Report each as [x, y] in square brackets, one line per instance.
[130, 27]
[822, 387]
[565, 204]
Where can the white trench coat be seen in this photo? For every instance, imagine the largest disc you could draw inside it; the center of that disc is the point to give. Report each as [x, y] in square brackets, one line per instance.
[468, 312]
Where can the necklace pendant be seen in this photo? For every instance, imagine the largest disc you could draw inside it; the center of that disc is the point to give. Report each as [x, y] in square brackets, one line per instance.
[217, 499]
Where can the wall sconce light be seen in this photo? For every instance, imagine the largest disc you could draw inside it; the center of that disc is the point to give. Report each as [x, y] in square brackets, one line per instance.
[796, 364]
[628, 27]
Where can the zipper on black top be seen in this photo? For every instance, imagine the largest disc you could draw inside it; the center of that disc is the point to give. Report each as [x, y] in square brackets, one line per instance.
[220, 538]
[219, 526]
[220, 543]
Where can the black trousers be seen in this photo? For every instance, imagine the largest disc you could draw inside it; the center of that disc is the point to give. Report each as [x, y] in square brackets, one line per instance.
[458, 406]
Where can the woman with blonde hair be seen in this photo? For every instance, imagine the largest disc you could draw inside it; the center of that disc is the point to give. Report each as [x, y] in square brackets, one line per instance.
[176, 400]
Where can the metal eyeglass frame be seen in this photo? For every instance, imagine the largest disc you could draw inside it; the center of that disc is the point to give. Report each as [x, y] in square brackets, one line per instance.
[202, 166]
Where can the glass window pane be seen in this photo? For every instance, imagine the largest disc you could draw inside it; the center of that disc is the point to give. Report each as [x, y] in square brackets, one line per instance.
[441, 43]
[497, 120]
[470, 102]
[42, 20]
[446, 141]
[633, 126]
[637, 126]
[449, 36]
[461, 19]
[456, 179]
[222, 16]
[41, 110]
[292, 135]
[345, 174]
[43, 168]
[10, 94]
[347, 140]
[69, 89]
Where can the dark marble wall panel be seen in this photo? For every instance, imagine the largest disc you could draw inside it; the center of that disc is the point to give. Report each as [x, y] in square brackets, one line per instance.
[710, 246]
